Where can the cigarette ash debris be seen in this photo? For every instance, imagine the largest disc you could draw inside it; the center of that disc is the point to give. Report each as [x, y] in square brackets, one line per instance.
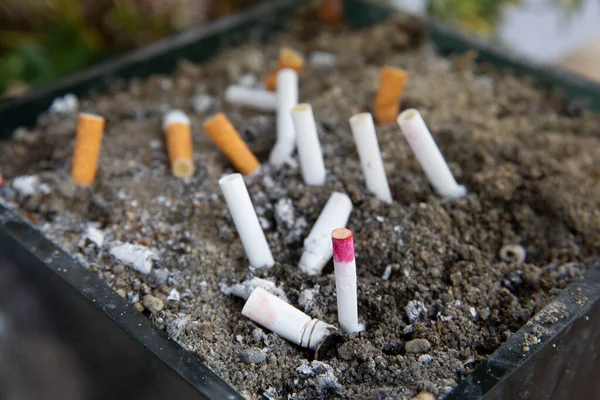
[513, 147]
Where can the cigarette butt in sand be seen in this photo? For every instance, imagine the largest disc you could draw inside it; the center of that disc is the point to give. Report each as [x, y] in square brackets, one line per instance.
[288, 58]
[431, 159]
[391, 86]
[176, 126]
[228, 140]
[246, 221]
[287, 321]
[330, 12]
[345, 279]
[365, 137]
[287, 98]
[309, 148]
[88, 141]
[257, 99]
[317, 245]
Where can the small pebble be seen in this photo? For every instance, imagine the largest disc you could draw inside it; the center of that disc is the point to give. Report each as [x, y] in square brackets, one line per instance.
[252, 355]
[152, 303]
[173, 295]
[418, 346]
[322, 60]
[425, 358]
[424, 396]
[387, 273]
[202, 103]
[248, 80]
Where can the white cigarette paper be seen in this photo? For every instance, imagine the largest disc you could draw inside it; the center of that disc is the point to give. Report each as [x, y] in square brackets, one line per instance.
[257, 99]
[286, 320]
[246, 222]
[317, 246]
[345, 279]
[365, 137]
[175, 117]
[309, 148]
[421, 142]
[287, 98]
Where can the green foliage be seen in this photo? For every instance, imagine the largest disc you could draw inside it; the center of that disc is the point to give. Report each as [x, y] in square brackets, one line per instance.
[481, 16]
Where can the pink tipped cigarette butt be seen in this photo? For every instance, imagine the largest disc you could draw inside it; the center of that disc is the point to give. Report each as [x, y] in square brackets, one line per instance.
[345, 279]
[287, 321]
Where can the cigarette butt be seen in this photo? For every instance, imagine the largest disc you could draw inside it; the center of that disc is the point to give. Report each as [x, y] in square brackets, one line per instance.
[88, 141]
[228, 140]
[391, 85]
[288, 58]
[271, 81]
[179, 143]
[345, 279]
[365, 137]
[329, 12]
[246, 221]
[427, 152]
[287, 321]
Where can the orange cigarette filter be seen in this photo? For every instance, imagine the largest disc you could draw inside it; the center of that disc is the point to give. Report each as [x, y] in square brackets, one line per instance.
[88, 141]
[330, 12]
[288, 58]
[179, 143]
[391, 85]
[231, 144]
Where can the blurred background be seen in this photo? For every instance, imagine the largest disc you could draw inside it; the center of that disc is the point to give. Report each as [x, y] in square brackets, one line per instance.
[42, 40]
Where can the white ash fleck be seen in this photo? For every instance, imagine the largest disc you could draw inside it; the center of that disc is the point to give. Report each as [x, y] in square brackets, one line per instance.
[379, 218]
[202, 103]
[138, 257]
[322, 60]
[133, 297]
[307, 300]
[322, 378]
[67, 104]
[258, 335]
[387, 273]
[248, 80]
[174, 295]
[473, 312]
[239, 338]
[414, 309]
[160, 276]
[444, 318]
[92, 235]
[408, 329]
[26, 185]
[245, 289]
[264, 223]
[177, 327]
[166, 84]
[284, 213]
[425, 358]
[271, 394]
[290, 227]
[155, 144]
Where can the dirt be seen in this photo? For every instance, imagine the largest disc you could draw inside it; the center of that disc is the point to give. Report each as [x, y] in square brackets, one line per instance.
[529, 159]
